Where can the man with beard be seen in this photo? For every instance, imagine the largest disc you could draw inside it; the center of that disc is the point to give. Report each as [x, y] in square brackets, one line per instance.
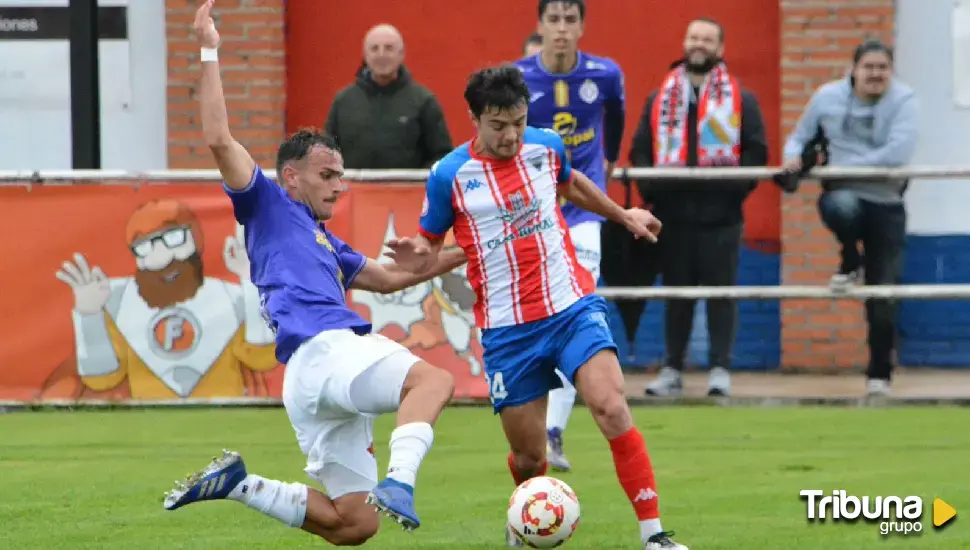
[339, 375]
[579, 96]
[170, 331]
[869, 119]
[700, 116]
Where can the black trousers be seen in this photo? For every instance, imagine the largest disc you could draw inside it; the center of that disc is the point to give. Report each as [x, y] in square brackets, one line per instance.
[700, 256]
[686, 256]
[881, 229]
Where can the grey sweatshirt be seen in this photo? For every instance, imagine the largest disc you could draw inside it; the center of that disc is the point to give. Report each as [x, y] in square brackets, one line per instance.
[883, 133]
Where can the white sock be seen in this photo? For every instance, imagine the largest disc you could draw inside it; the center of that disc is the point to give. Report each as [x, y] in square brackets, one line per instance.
[649, 528]
[560, 405]
[409, 444]
[285, 502]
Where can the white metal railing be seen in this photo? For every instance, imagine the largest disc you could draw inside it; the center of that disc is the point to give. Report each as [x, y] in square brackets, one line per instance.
[861, 292]
[924, 292]
[22, 177]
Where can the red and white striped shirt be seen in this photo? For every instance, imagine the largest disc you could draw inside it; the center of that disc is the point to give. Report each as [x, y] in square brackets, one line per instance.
[505, 215]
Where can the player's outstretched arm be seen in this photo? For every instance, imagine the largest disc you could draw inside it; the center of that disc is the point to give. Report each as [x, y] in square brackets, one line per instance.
[234, 162]
[388, 278]
[582, 192]
[417, 255]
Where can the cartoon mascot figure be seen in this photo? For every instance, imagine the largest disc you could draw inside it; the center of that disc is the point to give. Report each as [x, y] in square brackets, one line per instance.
[435, 316]
[169, 331]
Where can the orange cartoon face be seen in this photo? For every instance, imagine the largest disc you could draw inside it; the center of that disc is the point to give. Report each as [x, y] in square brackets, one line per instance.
[166, 239]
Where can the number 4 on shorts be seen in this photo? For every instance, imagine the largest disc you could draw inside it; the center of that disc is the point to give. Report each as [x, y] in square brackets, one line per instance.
[496, 387]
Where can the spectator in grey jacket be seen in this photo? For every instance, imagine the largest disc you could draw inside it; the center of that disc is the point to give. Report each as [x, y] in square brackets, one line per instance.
[870, 119]
[385, 119]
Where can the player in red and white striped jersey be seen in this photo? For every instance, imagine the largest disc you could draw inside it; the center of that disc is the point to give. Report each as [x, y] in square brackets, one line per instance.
[536, 308]
[521, 261]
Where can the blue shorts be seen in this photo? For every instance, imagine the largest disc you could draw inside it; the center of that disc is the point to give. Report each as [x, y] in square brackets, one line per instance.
[521, 360]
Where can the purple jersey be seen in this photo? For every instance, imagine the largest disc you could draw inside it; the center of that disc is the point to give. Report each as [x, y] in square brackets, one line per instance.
[586, 108]
[302, 271]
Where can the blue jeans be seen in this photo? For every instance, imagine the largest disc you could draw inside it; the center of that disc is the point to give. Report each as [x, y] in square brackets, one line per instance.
[881, 230]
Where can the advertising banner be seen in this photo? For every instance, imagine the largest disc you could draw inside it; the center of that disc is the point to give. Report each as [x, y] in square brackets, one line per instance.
[142, 292]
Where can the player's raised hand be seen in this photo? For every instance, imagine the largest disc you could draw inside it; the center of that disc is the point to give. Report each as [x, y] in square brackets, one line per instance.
[411, 254]
[205, 27]
[642, 223]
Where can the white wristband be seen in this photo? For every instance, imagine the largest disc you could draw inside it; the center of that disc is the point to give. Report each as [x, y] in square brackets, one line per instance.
[210, 55]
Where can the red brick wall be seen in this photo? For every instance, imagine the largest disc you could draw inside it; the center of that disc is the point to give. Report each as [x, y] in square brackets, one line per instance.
[253, 74]
[817, 44]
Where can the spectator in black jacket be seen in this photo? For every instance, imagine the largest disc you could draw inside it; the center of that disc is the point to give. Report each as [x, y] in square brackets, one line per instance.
[700, 116]
[386, 120]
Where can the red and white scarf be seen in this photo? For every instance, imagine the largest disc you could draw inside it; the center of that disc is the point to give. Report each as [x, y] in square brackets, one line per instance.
[718, 119]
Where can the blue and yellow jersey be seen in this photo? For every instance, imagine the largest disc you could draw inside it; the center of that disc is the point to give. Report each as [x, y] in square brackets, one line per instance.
[586, 108]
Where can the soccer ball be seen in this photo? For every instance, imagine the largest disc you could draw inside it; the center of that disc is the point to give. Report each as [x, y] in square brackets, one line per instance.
[543, 512]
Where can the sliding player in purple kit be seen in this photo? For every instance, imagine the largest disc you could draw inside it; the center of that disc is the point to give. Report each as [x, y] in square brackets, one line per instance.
[339, 376]
[581, 97]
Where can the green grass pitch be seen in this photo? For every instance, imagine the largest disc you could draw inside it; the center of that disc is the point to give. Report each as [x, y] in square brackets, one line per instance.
[728, 478]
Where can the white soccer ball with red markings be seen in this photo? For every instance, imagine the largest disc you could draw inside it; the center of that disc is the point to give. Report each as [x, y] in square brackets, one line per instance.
[544, 512]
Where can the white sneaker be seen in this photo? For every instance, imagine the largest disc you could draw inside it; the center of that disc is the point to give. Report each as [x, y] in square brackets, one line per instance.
[845, 281]
[719, 382]
[669, 383]
[554, 454]
[662, 541]
[876, 387]
[511, 539]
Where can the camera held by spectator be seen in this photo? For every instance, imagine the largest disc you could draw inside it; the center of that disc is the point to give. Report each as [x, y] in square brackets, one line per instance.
[815, 153]
[868, 118]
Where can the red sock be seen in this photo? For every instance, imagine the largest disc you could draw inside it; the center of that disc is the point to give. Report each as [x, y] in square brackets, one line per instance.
[635, 473]
[517, 476]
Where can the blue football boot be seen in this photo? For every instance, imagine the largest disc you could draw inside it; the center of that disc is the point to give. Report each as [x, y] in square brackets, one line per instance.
[396, 500]
[554, 453]
[215, 482]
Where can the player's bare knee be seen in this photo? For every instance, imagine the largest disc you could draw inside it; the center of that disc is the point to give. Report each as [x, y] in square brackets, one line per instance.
[360, 532]
[351, 536]
[611, 413]
[431, 380]
[357, 524]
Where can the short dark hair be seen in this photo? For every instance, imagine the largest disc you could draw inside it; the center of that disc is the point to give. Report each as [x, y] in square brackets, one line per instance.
[534, 38]
[499, 88]
[871, 45]
[711, 21]
[581, 4]
[298, 145]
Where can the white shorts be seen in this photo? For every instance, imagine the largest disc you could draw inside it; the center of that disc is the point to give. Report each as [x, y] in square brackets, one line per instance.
[333, 387]
[586, 240]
